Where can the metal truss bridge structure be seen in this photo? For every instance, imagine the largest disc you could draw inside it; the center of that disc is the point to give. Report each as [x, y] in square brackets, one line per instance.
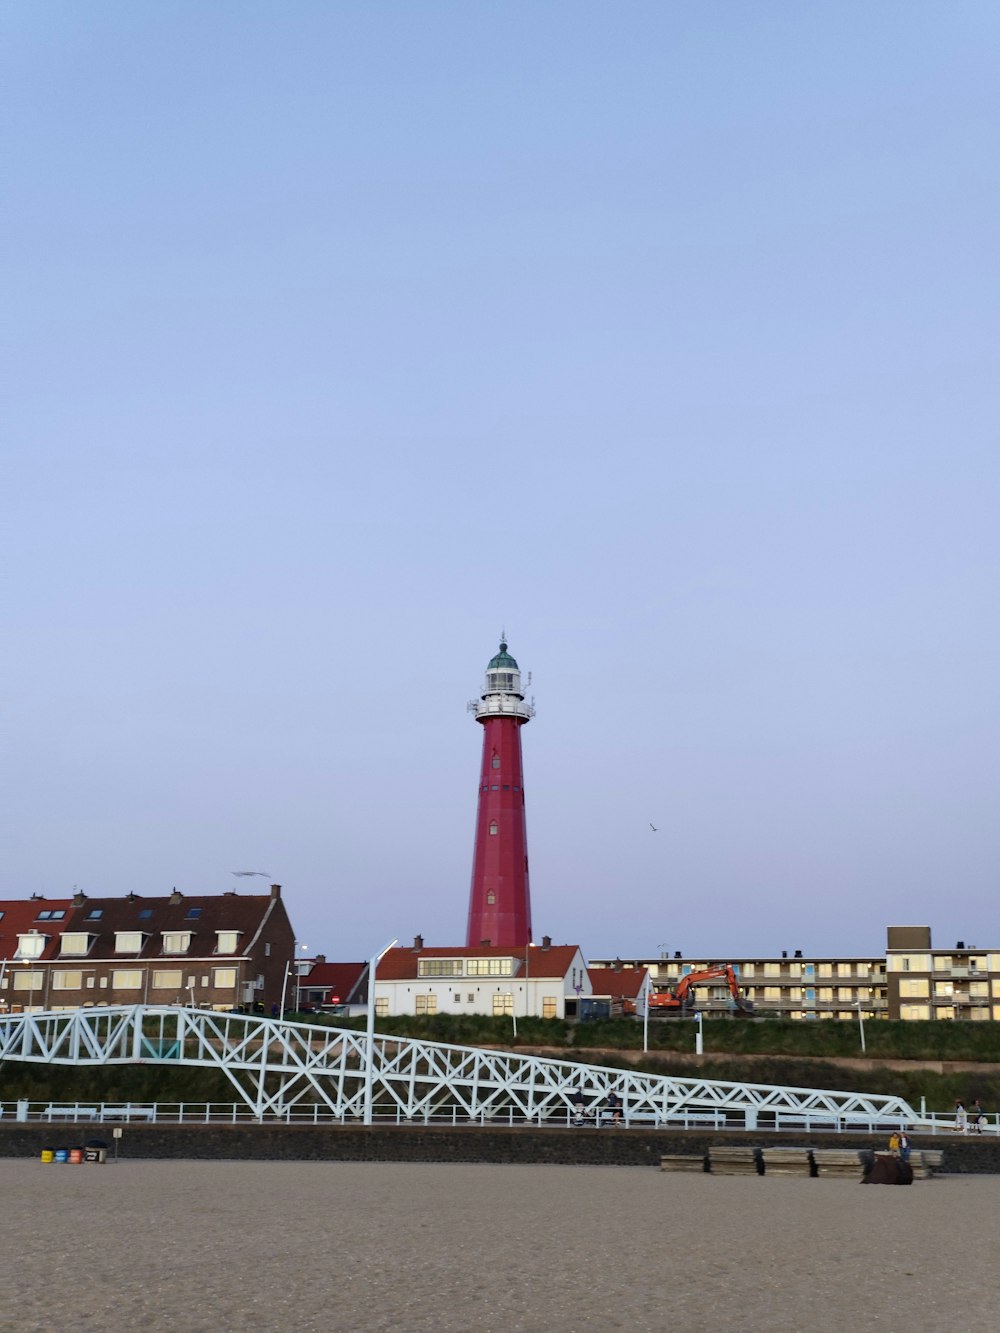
[281, 1069]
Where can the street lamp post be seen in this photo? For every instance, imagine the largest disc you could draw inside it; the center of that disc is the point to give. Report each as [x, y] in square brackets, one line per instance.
[699, 1044]
[861, 1028]
[513, 1011]
[647, 986]
[370, 1035]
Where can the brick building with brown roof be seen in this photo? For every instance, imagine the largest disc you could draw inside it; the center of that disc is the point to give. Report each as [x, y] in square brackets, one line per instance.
[218, 951]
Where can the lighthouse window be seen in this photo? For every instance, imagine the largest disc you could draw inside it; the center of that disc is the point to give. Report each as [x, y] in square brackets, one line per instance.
[493, 826]
[506, 788]
[495, 787]
[496, 761]
[491, 898]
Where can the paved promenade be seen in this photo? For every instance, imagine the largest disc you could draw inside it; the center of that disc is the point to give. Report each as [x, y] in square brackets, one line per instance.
[192, 1246]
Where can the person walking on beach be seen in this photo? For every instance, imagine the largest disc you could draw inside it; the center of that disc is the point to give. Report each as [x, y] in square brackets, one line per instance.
[961, 1118]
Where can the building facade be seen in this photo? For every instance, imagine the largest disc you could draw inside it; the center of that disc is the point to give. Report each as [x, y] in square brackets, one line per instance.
[925, 983]
[911, 980]
[541, 981]
[499, 896]
[221, 951]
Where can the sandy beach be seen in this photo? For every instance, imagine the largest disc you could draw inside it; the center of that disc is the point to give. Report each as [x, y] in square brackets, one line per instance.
[190, 1246]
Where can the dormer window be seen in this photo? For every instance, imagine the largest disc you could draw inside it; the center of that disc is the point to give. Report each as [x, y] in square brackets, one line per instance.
[31, 945]
[192, 913]
[129, 941]
[75, 944]
[176, 941]
[228, 941]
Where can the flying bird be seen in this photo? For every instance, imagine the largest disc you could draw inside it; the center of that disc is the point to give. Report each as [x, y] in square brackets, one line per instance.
[244, 873]
[654, 828]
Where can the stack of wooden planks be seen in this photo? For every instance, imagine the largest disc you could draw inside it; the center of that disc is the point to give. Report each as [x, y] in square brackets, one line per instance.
[838, 1162]
[726, 1161]
[786, 1161]
[683, 1162]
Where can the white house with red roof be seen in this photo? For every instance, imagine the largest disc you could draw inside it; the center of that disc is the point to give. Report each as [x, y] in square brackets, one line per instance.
[537, 980]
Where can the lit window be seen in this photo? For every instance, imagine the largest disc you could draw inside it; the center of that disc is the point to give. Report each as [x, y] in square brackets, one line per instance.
[27, 980]
[503, 1004]
[67, 980]
[549, 1006]
[31, 946]
[74, 944]
[225, 978]
[493, 828]
[128, 941]
[130, 980]
[176, 941]
[382, 1008]
[439, 967]
[229, 941]
[168, 980]
[491, 898]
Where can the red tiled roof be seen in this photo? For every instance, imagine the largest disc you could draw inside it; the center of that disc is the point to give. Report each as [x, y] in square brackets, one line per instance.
[620, 983]
[339, 979]
[20, 917]
[554, 961]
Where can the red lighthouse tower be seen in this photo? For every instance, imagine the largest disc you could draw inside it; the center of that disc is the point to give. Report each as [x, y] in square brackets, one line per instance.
[499, 901]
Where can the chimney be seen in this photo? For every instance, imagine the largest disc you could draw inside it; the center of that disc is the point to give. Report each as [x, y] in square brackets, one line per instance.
[275, 890]
[798, 953]
[784, 953]
[130, 897]
[418, 943]
[320, 958]
[960, 944]
[618, 965]
[546, 941]
[176, 897]
[79, 898]
[38, 897]
[677, 953]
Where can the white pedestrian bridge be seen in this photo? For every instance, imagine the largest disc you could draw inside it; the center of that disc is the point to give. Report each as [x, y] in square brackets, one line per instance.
[294, 1072]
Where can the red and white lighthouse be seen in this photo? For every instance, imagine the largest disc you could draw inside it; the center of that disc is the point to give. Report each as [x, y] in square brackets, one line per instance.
[499, 901]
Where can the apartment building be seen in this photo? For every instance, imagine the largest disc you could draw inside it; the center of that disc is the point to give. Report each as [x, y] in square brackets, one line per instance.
[927, 983]
[911, 981]
[787, 985]
[221, 951]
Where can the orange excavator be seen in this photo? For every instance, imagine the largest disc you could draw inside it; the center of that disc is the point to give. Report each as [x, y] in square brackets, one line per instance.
[680, 1001]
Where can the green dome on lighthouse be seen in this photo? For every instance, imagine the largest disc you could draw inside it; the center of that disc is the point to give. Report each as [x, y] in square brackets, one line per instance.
[502, 659]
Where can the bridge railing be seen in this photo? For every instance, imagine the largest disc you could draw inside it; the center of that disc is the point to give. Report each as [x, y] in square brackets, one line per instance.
[87, 1113]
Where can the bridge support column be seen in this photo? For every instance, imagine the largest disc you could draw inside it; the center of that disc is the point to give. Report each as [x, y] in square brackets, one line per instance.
[751, 1117]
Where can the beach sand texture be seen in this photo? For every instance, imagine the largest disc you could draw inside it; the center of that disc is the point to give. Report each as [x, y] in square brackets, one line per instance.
[191, 1246]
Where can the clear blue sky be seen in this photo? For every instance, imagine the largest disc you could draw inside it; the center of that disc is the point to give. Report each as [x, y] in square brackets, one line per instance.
[663, 334]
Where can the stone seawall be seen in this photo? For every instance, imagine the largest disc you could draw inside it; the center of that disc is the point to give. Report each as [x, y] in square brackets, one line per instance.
[470, 1144]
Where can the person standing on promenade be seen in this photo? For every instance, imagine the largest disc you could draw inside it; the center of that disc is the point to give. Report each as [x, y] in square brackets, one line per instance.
[904, 1145]
[978, 1117]
[961, 1118]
